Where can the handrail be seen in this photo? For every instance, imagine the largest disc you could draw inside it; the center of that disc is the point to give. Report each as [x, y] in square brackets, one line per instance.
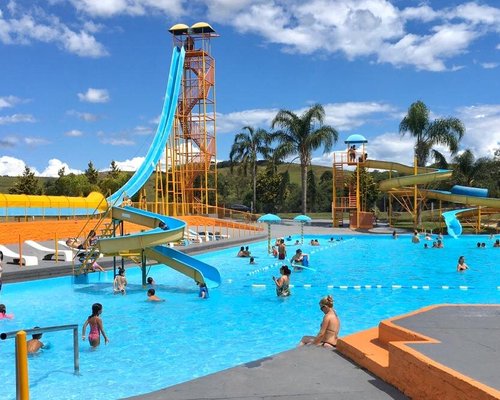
[34, 331]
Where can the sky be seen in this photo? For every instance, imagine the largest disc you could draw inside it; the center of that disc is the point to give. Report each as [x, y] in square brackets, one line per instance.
[84, 80]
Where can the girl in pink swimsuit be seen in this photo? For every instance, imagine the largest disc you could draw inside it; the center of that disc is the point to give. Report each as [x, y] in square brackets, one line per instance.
[96, 327]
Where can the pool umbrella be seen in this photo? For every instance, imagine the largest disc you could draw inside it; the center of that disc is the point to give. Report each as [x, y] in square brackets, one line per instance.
[269, 219]
[303, 219]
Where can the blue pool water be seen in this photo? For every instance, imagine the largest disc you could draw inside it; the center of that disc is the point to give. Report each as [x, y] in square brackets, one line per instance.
[157, 345]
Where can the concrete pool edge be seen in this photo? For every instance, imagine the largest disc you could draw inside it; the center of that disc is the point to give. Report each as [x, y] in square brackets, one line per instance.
[386, 352]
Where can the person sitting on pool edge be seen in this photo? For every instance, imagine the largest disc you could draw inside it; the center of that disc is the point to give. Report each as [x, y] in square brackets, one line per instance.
[152, 296]
[330, 326]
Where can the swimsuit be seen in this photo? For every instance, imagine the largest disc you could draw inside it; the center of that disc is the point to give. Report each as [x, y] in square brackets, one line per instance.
[94, 332]
[283, 291]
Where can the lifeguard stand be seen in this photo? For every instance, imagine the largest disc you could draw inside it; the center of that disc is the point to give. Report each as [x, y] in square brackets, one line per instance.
[346, 196]
[190, 183]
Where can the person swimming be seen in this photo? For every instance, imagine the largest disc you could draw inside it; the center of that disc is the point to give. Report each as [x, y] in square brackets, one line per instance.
[3, 312]
[152, 296]
[35, 344]
[283, 282]
[203, 292]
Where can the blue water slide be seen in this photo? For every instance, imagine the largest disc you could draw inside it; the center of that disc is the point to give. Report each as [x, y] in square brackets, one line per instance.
[210, 274]
[453, 225]
[155, 151]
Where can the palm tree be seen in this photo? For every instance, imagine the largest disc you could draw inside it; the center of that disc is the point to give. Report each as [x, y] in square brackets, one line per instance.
[246, 148]
[301, 136]
[467, 169]
[443, 131]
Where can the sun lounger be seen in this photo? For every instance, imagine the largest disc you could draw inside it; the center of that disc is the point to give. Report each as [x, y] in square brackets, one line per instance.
[27, 260]
[67, 255]
[192, 236]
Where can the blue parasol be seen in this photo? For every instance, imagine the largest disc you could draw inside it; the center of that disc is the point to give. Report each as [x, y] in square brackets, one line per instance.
[269, 219]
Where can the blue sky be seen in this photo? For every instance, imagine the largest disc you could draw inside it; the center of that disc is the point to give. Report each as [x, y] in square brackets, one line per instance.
[84, 80]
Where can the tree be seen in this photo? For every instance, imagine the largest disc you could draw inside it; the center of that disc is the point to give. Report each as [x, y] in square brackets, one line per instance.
[369, 190]
[26, 183]
[92, 174]
[114, 171]
[442, 131]
[301, 136]
[312, 192]
[467, 168]
[246, 148]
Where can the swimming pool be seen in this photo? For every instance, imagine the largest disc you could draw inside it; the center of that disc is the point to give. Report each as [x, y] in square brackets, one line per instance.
[157, 345]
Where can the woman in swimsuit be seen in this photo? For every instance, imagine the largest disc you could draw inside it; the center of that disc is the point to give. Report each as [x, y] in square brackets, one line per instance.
[330, 326]
[283, 282]
[96, 327]
[461, 266]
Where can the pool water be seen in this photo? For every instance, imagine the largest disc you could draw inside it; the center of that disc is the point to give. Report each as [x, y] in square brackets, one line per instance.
[155, 345]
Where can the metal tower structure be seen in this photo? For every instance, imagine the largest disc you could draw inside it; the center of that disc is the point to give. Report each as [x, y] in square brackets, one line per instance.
[190, 180]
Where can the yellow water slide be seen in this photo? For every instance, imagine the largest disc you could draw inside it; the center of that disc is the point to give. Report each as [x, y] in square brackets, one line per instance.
[163, 230]
[427, 175]
[23, 205]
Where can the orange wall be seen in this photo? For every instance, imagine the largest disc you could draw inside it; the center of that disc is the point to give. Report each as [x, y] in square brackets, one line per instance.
[42, 230]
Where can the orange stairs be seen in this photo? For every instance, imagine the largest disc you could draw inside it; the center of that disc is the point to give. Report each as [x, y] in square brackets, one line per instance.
[383, 351]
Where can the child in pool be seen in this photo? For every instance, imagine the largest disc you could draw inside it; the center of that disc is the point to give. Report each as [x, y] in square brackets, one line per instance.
[96, 326]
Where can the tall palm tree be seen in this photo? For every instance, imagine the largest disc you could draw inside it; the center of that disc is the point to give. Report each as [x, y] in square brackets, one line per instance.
[246, 148]
[301, 136]
[443, 131]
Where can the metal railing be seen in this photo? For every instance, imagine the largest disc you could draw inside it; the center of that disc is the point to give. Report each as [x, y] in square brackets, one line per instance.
[22, 385]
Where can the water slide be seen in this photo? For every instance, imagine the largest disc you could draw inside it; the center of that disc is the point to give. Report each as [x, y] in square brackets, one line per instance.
[140, 177]
[153, 243]
[458, 194]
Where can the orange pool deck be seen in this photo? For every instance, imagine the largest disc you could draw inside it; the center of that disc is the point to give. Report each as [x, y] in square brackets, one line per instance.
[438, 352]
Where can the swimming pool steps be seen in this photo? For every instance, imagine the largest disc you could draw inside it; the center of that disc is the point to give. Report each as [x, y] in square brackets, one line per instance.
[383, 351]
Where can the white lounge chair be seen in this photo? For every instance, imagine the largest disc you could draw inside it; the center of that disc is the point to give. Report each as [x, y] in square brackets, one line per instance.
[16, 258]
[192, 236]
[49, 252]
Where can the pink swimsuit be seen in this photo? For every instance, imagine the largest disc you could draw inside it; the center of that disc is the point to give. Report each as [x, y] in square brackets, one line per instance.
[94, 333]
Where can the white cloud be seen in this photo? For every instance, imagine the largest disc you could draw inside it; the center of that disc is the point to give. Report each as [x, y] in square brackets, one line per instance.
[429, 52]
[35, 141]
[114, 141]
[235, 121]
[9, 101]
[16, 118]
[73, 133]
[391, 146]
[54, 166]
[36, 25]
[94, 96]
[483, 129]
[130, 165]
[342, 116]
[361, 28]
[144, 130]
[8, 141]
[110, 8]
[85, 116]
[10, 166]
[490, 65]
